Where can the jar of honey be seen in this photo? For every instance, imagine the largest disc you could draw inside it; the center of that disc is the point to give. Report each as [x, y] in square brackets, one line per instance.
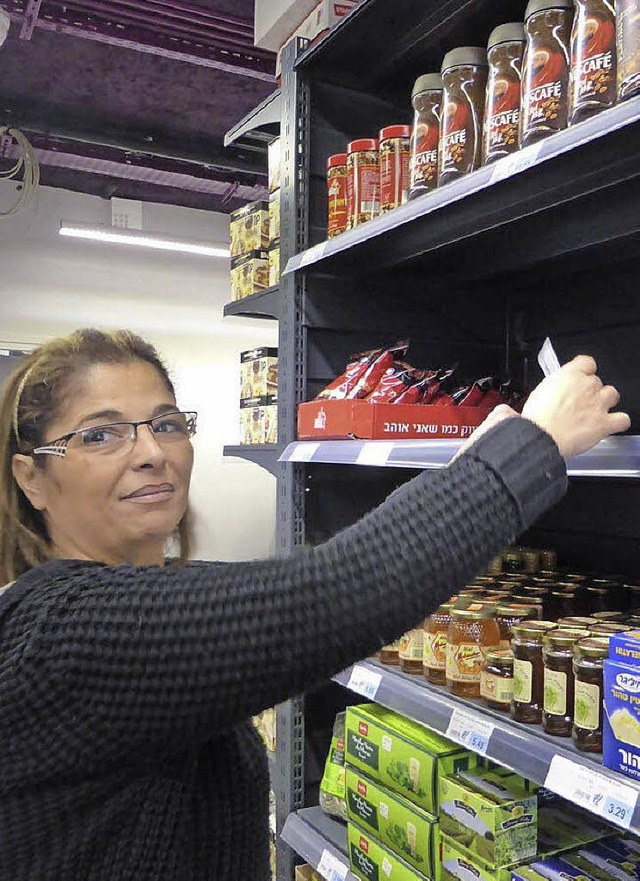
[390, 654]
[588, 657]
[557, 654]
[411, 651]
[470, 634]
[607, 629]
[496, 679]
[434, 659]
[528, 670]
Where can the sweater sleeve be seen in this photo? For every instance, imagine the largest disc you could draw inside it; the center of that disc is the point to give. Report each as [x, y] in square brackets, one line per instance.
[166, 656]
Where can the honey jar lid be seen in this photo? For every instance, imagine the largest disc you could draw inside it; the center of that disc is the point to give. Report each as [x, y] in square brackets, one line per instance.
[512, 32]
[576, 621]
[608, 617]
[604, 627]
[563, 638]
[540, 5]
[337, 160]
[362, 145]
[395, 131]
[515, 610]
[501, 656]
[468, 614]
[592, 647]
[535, 629]
[465, 55]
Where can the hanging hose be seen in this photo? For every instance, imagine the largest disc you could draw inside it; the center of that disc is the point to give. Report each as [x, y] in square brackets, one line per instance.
[27, 163]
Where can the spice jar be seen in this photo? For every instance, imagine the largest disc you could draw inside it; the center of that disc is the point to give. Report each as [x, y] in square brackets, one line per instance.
[337, 194]
[545, 69]
[395, 153]
[628, 48]
[557, 654]
[496, 679]
[411, 651]
[426, 99]
[502, 107]
[588, 658]
[363, 181]
[464, 79]
[508, 616]
[528, 670]
[434, 657]
[592, 85]
[470, 633]
[390, 654]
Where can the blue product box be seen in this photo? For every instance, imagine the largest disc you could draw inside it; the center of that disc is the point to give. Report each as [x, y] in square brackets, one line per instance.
[621, 721]
[605, 858]
[557, 869]
[625, 647]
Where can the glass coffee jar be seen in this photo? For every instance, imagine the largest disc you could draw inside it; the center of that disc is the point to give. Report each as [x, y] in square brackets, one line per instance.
[557, 655]
[337, 209]
[588, 657]
[502, 107]
[363, 181]
[545, 69]
[470, 634]
[528, 671]
[628, 46]
[496, 679]
[395, 156]
[434, 659]
[426, 99]
[592, 85]
[464, 79]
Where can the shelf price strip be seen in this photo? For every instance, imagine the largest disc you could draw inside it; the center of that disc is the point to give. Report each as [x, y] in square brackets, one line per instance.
[331, 868]
[587, 787]
[470, 731]
[365, 682]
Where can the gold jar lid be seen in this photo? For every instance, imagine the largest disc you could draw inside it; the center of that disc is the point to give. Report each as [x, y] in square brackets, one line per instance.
[499, 656]
[515, 610]
[484, 579]
[576, 621]
[608, 617]
[592, 647]
[533, 629]
[564, 638]
[610, 629]
[468, 614]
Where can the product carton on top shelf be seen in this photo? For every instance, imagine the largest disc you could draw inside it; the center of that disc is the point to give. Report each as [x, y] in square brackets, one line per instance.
[371, 861]
[249, 229]
[324, 16]
[402, 754]
[408, 831]
[258, 372]
[259, 420]
[249, 274]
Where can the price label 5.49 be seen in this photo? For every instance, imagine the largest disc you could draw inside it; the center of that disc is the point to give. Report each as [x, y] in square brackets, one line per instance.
[470, 730]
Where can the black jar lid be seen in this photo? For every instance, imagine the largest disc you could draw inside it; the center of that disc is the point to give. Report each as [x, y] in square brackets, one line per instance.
[465, 55]
[428, 82]
[534, 6]
[512, 32]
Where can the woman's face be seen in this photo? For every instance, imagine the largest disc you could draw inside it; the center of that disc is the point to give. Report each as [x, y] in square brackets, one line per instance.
[122, 506]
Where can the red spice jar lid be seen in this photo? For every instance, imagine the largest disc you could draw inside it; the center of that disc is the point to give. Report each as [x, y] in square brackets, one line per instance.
[362, 145]
[395, 131]
[337, 160]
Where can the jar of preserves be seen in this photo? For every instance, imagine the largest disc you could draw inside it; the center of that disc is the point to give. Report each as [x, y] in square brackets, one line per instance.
[486, 580]
[464, 80]
[434, 659]
[395, 155]
[502, 107]
[576, 622]
[412, 651]
[337, 194]
[608, 629]
[592, 85]
[363, 181]
[541, 594]
[390, 654]
[470, 634]
[557, 654]
[531, 560]
[562, 604]
[588, 658]
[548, 560]
[573, 578]
[545, 69]
[598, 598]
[528, 670]
[512, 562]
[628, 46]
[608, 617]
[495, 566]
[426, 99]
[508, 616]
[522, 599]
[496, 679]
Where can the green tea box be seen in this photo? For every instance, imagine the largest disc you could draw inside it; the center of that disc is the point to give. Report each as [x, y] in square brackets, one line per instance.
[457, 865]
[402, 754]
[501, 827]
[372, 861]
[408, 831]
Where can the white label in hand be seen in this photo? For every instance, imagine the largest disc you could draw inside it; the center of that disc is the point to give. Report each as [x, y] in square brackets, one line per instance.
[331, 868]
[364, 682]
[592, 790]
[547, 358]
[470, 730]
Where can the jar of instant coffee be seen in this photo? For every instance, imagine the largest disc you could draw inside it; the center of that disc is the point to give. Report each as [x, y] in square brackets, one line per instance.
[336, 194]
[628, 46]
[426, 99]
[464, 79]
[363, 181]
[502, 107]
[545, 69]
[395, 153]
[593, 59]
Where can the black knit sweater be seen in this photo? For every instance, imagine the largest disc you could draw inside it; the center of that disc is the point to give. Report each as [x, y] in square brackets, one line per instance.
[125, 750]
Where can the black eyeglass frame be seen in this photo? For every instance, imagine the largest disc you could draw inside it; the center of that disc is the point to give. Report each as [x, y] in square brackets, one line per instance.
[58, 447]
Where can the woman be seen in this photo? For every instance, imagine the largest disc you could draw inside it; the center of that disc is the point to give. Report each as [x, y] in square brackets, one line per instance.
[126, 685]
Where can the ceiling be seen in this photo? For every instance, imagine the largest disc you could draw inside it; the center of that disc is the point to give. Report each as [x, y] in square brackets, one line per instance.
[132, 98]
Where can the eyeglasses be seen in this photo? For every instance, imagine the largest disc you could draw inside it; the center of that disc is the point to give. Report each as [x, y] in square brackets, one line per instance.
[115, 437]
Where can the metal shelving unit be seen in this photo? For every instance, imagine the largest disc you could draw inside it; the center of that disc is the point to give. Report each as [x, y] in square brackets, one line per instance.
[265, 304]
[321, 841]
[258, 128]
[265, 455]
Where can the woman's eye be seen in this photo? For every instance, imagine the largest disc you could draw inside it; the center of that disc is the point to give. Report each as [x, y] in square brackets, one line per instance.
[170, 424]
[94, 437]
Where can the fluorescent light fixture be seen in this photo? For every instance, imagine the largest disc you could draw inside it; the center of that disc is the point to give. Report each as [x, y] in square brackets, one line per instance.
[118, 236]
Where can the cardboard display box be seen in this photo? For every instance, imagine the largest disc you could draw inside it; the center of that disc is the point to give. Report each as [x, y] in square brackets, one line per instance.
[320, 20]
[259, 420]
[249, 229]
[249, 274]
[258, 372]
[274, 219]
[274, 266]
[371, 861]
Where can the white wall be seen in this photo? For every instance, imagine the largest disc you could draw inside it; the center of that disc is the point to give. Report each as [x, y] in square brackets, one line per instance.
[50, 285]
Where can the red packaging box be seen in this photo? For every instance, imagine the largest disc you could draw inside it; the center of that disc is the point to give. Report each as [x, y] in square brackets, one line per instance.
[359, 419]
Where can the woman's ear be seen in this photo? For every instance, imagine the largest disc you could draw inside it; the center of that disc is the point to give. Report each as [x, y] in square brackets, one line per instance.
[30, 480]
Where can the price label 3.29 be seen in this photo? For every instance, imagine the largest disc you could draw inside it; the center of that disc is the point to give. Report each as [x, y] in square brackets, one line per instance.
[470, 730]
[593, 790]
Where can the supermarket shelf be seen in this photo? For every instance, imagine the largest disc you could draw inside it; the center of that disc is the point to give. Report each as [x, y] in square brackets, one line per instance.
[267, 304]
[594, 163]
[616, 457]
[265, 455]
[258, 128]
[525, 749]
[313, 835]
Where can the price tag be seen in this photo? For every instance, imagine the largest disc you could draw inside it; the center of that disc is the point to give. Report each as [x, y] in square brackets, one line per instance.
[592, 790]
[313, 254]
[515, 163]
[364, 682]
[374, 453]
[331, 868]
[303, 452]
[547, 358]
[470, 730]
